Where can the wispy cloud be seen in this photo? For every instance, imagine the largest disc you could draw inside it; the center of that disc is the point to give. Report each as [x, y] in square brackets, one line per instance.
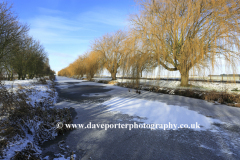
[47, 36]
[50, 11]
[52, 27]
[63, 55]
[57, 30]
[63, 33]
[105, 16]
[53, 22]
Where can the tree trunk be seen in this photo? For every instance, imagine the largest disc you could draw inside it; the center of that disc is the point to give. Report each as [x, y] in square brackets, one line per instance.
[184, 77]
[92, 75]
[11, 79]
[23, 76]
[19, 76]
[113, 75]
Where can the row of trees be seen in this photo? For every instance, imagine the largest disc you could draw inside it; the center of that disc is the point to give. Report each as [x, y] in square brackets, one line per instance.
[177, 35]
[88, 64]
[19, 53]
[114, 52]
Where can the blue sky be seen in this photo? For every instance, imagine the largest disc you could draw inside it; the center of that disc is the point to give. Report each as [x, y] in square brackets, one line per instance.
[66, 27]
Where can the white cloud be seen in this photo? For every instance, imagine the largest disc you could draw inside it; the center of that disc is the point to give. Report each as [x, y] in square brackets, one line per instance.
[50, 11]
[55, 27]
[47, 36]
[57, 30]
[105, 16]
[53, 22]
[63, 33]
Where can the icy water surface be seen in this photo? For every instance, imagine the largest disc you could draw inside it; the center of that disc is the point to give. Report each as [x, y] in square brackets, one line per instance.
[155, 112]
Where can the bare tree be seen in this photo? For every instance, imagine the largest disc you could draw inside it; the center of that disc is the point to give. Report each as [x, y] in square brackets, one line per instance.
[10, 29]
[63, 72]
[110, 48]
[184, 33]
[137, 57]
[93, 66]
[20, 53]
[28, 58]
[78, 67]
[87, 64]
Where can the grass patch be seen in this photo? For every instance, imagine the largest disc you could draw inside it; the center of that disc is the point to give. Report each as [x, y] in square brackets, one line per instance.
[42, 80]
[235, 90]
[237, 105]
[112, 82]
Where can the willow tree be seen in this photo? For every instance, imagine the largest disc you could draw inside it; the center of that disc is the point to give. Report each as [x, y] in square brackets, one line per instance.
[137, 57]
[80, 68]
[64, 72]
[110, 48]
[92, 60]
[187, 33]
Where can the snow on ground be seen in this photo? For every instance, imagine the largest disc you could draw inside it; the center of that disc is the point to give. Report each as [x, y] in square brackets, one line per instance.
[103, 79]
[218, 86]
[19, 145]
[36, 92]
[198, 85]
[14, 84]
[154, 112]
[62, 157]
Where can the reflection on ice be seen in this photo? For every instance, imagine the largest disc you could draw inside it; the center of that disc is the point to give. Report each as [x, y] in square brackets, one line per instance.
[158, 112]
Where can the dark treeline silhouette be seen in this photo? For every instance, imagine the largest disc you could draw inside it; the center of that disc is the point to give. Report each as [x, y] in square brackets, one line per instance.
[20, 54]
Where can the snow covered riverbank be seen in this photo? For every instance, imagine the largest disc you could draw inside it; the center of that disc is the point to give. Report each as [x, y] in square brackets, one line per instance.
[30, 124]
[35, 90]
[196, 85]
